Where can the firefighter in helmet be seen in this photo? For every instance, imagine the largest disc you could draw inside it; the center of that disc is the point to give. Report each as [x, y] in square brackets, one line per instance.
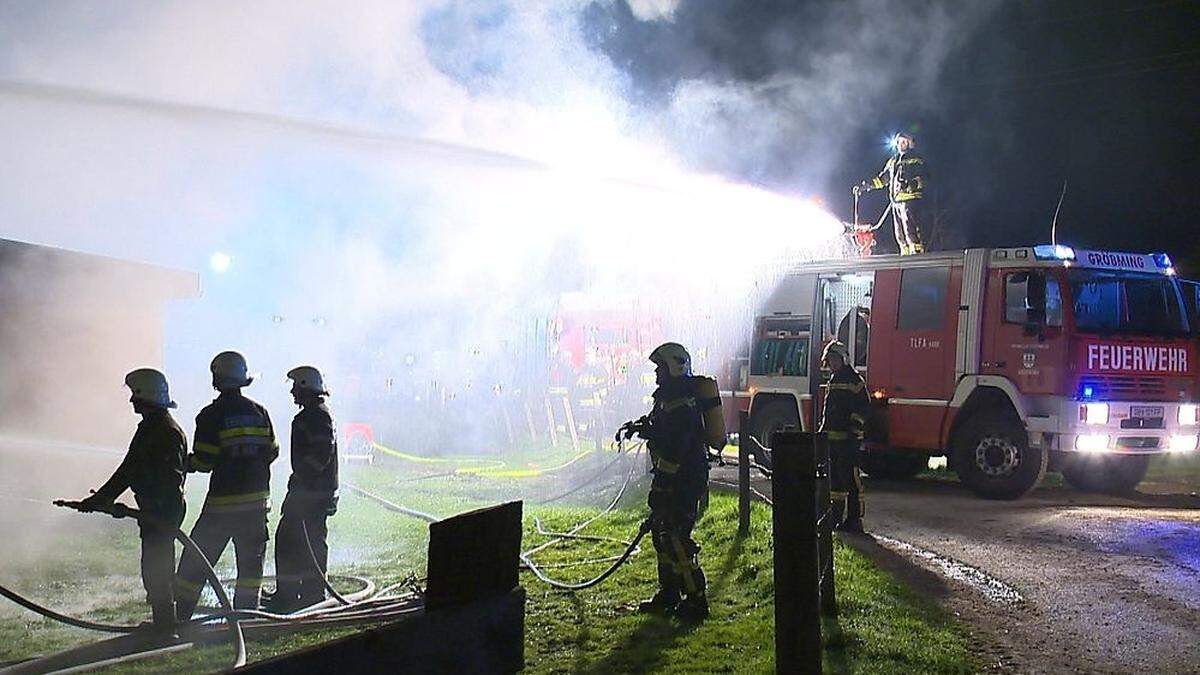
[906, 178]
[235, 443]
[154, 469]
[843, 420]
[311, 497]
[684, 420]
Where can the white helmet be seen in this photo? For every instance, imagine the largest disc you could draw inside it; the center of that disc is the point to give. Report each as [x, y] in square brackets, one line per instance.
[149, 386]
[229, 371]
[672, 355]
[308, 380]
[837, 349]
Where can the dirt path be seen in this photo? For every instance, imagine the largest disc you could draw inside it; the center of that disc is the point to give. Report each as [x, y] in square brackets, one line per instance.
[1102, 584]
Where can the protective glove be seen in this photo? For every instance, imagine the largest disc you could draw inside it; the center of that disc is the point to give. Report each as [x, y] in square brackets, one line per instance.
[92, 503]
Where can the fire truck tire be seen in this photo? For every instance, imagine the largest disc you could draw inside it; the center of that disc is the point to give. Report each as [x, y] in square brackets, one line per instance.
[993, 457]
[1113, 475]
[774, 416]
[893, 465]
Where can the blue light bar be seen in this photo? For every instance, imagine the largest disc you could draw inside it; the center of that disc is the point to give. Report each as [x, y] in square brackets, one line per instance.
[1163, 261]
[1053, 252]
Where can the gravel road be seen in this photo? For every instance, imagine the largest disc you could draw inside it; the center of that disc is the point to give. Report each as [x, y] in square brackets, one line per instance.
[1059, 581]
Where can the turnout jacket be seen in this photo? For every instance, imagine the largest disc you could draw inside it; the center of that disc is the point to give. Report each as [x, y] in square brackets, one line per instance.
[675, 428]
[154, 467]
[904, 175]
[314, 454]
[236, 443]
[843, 414]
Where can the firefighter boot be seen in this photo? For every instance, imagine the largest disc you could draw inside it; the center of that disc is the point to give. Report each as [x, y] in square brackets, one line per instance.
[663, 603]
[693, 609]
[163, 623]
[853, 524]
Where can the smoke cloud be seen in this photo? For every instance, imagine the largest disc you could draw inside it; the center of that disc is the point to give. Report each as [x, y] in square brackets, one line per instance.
[404, 190]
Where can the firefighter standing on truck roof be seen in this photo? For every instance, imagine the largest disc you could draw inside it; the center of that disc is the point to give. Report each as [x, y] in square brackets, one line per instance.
[677, 431]
[154, 469]
[311, 497]
[906, 178]
[843, 420]
[235, 442]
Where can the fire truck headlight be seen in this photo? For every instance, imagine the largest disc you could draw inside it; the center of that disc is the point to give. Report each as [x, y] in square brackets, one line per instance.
[1182, 444]
[1093, 413]
[1187, 414]
[1091, 442]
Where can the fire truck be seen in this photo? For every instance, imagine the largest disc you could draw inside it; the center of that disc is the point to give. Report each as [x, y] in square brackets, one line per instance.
[1008, 361]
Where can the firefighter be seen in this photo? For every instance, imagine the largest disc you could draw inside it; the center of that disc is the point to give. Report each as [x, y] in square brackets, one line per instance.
[311, 497]
[906, 179]
[235, 442]
[843, 420]
[676, 437]
[154, 469]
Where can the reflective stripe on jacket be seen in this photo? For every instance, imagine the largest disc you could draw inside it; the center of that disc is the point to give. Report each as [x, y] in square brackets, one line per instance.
[843, 414]
[236, 443]
[904, 176]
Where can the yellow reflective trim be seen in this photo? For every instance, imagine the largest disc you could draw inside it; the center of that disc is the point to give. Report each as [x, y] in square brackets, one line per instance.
[238, 499]
[200, 464]
[248, 583]
[668, 406]
[208, 448]
[835, 386]
[665, 466]
[185, 585]
[838, 435]
[244, 431]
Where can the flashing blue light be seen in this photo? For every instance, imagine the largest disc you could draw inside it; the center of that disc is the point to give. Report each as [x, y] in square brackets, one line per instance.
[1163, 261]
[1088, 391]
[1053, 252]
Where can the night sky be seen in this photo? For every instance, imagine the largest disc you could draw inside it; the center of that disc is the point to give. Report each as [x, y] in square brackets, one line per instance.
[1103, 95]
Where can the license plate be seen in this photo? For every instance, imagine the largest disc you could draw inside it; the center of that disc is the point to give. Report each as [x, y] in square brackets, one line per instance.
[1146, 411]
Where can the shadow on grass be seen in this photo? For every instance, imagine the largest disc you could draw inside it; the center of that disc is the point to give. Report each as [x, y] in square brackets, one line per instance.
[640, 651]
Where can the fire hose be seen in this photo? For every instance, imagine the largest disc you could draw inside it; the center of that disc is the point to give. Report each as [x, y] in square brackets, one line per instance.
[235, 628]
[365, 604]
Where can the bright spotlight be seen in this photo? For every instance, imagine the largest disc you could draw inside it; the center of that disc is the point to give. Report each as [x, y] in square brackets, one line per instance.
[219, 262]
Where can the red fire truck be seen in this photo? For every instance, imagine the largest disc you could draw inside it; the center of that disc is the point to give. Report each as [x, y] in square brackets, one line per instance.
[1008, 361]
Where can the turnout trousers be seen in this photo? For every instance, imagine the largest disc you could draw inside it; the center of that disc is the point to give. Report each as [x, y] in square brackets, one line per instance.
[674, 506]
[212, 533]
[845, 479]
[909, 218]
[297, 577]
[158, 566]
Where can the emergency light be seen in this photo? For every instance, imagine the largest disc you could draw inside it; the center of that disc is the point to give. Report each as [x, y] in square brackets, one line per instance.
[1164, 262]
[1053, 252]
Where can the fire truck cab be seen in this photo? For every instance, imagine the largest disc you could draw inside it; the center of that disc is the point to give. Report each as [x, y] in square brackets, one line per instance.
[1008, 361]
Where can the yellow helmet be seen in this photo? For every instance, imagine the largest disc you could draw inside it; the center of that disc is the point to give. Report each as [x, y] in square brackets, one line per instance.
[673, 357]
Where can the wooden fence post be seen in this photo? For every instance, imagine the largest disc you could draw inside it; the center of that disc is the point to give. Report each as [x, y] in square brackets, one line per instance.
[797, 569]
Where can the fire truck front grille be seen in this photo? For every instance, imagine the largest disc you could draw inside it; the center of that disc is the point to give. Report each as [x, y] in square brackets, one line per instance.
[1126, 387]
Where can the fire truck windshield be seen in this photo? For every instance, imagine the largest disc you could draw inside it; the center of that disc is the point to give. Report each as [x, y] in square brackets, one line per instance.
[1115, 302]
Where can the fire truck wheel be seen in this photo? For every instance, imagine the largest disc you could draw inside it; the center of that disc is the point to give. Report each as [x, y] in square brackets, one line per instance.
[774, 416]
[1116, 474]
[894, 465]
[993, 457]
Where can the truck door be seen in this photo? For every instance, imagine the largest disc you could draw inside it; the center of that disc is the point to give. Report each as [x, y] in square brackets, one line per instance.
[916, 321]
[1024, 321]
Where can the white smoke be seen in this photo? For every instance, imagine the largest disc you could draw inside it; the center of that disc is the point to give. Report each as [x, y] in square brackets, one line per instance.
[419, 178]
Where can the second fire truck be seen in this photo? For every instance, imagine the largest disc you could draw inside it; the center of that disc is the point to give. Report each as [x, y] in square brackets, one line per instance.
[1008, 361]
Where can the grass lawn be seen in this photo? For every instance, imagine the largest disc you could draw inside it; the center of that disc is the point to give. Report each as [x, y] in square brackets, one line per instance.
[882, 628]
